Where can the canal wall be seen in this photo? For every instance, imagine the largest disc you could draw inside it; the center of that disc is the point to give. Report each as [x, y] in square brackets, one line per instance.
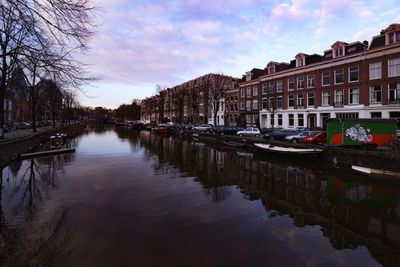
[9, 150]
[339, 156]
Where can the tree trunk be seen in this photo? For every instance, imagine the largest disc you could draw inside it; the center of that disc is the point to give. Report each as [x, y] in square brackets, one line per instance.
[33, 100]
[3, 87]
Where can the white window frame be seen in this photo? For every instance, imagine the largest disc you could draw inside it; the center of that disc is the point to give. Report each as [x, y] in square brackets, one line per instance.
[335, 76]
[288, 82]
[371, 90]
[308, 103]
[375, 70]
[322, 78]
[349, 73]
[394, 67]
[255, 104]
[279, 86]
[339, 97]
[323, 102]
[248, 105]
[300, 82]
[248, 92]
[290, 107]
[298, 100]
[264, 88]
[311, 80]
[396, 99]
[255, 91]
[358, 96]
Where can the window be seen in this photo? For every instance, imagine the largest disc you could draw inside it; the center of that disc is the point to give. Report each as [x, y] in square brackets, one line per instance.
[338, 52]
[279, 86]
[300, 101]
[394, 93]
[353, 73]
[339, 76]
[310, 81]
[339, 98]
[243, 92]
[353, 96]
[255, 104]
[242, 105]
[300, 120]
[265, 103]
[310, 99]
[271, 87]
[255, 91]
[272, 119]
[248, 105]
[279, 102]
[376, 114]
[300, 82]
[271, 102]
[375, 70]
[290, 101]
[264, 88]
[325, 98]
[236, 107]
[280, 119]
[394, 67]
[349, 115]
[290, 84]
[248, 91]
[291, 120]
[376, 94]
[325, 78]
[394, 37]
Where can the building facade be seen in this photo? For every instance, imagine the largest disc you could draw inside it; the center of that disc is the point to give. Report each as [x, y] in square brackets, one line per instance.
[356, 80]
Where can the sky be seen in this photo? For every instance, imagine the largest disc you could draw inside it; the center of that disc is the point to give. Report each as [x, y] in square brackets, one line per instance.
[139, 44]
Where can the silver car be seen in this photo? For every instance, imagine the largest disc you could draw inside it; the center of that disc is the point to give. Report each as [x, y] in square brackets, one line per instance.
[299, 137]
[203, 128]
[250, 131]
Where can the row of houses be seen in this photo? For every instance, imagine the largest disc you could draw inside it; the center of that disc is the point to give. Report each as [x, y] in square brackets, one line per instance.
[349, 80]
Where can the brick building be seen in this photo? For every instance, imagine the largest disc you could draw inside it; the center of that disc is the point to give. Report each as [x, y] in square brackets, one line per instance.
[351, 80]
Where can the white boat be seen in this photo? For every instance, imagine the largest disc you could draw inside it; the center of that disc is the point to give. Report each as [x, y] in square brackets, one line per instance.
[288, 150]
[376, 172]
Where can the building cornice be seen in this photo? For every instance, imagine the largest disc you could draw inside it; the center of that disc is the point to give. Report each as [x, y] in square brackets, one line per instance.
[365, 55]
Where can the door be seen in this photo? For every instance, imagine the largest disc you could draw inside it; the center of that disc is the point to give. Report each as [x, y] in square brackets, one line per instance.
[312, 120]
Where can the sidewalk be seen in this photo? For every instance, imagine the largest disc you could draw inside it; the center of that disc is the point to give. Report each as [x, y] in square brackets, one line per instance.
[23, 134]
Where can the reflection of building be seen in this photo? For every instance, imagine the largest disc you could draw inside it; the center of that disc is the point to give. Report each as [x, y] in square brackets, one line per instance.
[349, 213]
[351, 80]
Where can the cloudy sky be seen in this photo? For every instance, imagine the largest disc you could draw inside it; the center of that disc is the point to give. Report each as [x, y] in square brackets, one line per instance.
[142, 43]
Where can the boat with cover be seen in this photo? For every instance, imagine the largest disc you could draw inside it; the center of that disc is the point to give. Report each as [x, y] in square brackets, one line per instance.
[232, 143]
[288, 150]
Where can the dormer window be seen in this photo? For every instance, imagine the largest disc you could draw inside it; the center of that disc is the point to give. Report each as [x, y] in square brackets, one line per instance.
[248, 76]
[392, 34]
[300, 60]
[394, 37]
[338, 49]
[271, 70]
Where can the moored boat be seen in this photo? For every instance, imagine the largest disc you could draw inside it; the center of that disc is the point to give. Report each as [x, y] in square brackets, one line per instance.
[288, 150]
[376, 173]
[161, 128]
[232, 143]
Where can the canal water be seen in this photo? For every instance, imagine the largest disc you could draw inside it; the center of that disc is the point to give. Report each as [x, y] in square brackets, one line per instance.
[128, 198]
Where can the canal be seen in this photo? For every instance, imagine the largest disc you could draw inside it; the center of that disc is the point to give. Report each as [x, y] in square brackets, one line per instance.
[128, 198]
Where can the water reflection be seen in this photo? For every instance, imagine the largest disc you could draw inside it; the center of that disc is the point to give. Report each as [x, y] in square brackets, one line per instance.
[350, 212]
[27, 239]
[165, 201]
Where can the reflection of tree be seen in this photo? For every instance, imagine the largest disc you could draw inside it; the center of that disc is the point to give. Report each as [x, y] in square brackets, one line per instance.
[33, 243]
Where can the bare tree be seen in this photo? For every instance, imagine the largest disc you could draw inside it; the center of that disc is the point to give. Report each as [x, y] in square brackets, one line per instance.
[55, 28]
[218, 83]
[161, 93]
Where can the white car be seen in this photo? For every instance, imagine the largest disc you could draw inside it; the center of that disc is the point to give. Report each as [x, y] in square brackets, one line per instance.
[250, 131]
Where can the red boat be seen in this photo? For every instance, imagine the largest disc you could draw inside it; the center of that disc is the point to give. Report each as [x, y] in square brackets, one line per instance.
[161, 128]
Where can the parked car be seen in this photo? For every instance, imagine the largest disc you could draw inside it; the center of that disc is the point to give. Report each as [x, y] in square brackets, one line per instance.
[226, 130]
[316, 138]
[302, 129]
[203, 128]
[297, 137]
[250, 131]
[22, 125]
[270, 130]
[279, 135]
